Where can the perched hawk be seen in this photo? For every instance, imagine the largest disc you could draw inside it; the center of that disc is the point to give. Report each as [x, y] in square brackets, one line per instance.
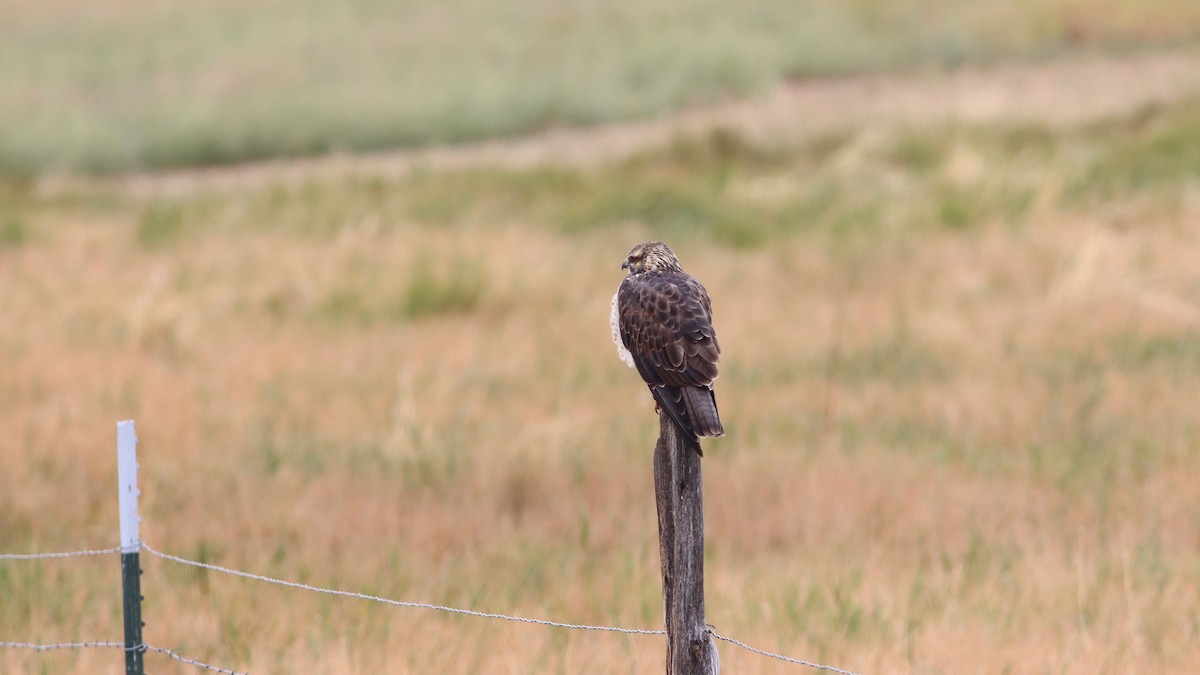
[664, 320]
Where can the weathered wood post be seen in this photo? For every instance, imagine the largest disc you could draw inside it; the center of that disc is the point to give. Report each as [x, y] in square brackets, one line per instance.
[678, 490]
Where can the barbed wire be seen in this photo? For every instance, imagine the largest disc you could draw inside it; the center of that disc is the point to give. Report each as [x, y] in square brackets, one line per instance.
[194, 662]
[117, 645]
[65, 554]
[60, 645]
[486, 615]
[781, 657]
[399, 603]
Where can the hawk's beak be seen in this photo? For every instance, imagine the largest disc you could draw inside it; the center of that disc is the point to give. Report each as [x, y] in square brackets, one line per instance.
[625, 264]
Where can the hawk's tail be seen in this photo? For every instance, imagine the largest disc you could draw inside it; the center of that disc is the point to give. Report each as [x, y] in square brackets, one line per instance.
[671, 400]
[694, 410]
[701, 405]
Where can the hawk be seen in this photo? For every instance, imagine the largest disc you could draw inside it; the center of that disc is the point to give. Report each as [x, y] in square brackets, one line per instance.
[663, 319]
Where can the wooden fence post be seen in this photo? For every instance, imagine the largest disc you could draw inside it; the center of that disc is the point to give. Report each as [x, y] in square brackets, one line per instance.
[679, 493]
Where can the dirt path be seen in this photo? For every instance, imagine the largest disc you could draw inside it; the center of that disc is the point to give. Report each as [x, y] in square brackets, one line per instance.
[1061, 92]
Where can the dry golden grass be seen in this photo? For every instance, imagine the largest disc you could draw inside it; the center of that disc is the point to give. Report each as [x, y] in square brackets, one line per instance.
[968, 447]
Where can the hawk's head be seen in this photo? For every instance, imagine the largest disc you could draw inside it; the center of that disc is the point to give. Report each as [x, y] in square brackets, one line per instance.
[652, 256]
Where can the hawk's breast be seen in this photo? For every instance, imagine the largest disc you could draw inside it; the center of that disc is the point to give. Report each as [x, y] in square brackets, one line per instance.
[614, 321]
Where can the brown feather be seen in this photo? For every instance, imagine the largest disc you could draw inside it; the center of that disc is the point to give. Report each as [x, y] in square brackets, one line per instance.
[666, 324]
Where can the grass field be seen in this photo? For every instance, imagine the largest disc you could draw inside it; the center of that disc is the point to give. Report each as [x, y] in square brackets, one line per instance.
[959, 383]
[88, 86]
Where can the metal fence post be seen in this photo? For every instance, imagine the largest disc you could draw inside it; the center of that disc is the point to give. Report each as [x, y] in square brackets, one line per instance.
[131, 543]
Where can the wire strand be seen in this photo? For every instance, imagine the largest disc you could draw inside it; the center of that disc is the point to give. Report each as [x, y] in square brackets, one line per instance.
[398, 603]
[60, 645]
[117, 645]
[486, 615]
[194, 662]
[65, 554]
[781, 657]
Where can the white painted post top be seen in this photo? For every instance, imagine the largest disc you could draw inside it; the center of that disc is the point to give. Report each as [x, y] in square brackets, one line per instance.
[127, 467]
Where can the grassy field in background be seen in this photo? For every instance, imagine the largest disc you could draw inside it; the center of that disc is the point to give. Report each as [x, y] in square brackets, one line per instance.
[109, 86]
[959, 382]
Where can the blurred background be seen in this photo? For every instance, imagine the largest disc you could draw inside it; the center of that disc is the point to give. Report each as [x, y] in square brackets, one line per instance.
[349, 265]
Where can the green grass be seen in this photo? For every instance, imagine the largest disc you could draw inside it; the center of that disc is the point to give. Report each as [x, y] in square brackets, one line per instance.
[15, 228]
[1151, 149]
[161, 225]
[457, 291]
[89, 87]
[456, 288]
[13, 231]
[710, 188]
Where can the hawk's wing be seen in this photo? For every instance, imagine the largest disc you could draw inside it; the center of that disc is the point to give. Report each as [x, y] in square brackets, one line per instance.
[666, 324]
